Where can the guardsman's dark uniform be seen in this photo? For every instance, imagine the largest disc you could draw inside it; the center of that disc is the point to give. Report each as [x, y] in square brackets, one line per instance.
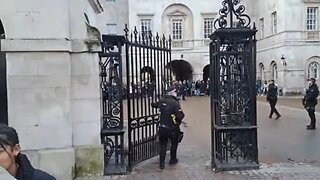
[272, 98]
[310, 101]
[170, 120]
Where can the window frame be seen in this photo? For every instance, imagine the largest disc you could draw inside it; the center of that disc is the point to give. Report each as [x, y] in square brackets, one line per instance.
[206, 32]
[274, 22]
[261, 26]
[315, 73]
[274, 71]
[149, 24]
[173, 29]
[316, 18]
[261, 71]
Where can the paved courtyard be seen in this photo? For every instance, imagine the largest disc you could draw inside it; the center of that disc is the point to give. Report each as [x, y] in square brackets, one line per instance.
[286, 149]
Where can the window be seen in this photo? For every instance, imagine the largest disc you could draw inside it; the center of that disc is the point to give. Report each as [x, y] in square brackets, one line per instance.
[177, 33]
[312, 17]
[313, 70]
[261, 27]
[145, 25]
[208, 27]
[261, 71]
[274, 71]
[112, 28]
[177, 29]
[274, 22]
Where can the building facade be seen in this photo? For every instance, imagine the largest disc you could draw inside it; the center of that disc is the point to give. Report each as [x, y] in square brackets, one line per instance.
[288, 42]
[189, 23]
[288, 35]
[49, 57]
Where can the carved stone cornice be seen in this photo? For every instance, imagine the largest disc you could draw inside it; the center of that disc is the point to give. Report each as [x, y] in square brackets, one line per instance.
[177, 13]
[311, 1]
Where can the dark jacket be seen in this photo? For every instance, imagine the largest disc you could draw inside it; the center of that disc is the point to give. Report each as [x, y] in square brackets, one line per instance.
[310, 99]
[272, 93]
[27, 172]
[171, 112]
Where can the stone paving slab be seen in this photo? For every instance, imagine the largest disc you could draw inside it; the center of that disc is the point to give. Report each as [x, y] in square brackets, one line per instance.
[279, 171]
[194, 152]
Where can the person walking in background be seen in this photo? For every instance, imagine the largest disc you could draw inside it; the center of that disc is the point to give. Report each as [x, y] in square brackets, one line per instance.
[259, 86]
[310, 101]
[272, 98]
[171, 116]
[265, 87]
[193, 88]
[16, 163]
[198, 88]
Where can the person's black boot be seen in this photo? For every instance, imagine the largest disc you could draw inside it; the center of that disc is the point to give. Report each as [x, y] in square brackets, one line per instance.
[309, 127]
[173, 161]
[161, 166]
[278, 116]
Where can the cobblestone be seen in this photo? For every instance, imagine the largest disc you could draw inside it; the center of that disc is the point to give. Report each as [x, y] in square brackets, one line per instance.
[281, 156]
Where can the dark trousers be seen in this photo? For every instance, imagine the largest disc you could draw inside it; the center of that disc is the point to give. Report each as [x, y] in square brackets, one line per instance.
[311, 110]
[273, 103]
[163, 138]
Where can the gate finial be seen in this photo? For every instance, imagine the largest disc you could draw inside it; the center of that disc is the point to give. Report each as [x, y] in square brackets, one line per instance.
[135, 32]
[157, 39]
[170, 41]
[235, 11]
[164, 41]
[126, 30]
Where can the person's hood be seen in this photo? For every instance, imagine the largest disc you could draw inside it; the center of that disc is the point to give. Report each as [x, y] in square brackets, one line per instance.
[5, 175]
[25, 171]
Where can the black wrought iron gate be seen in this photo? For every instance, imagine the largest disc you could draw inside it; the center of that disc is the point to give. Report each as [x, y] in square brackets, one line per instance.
[134, 73]
[233, 100]
[147, 77]
[3, 82]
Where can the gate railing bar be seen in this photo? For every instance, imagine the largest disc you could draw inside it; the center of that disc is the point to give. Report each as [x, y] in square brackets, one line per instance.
[128, 91]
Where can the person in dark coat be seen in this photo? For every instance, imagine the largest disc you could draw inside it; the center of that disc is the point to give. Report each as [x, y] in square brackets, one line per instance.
[272, 98]
[171, 116]
[310, 101]
[16, 163]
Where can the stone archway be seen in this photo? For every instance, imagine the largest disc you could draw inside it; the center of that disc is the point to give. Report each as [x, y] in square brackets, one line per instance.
[206, 73]
[148, 78]
[3, 81]
[181, 69]
[147, 73]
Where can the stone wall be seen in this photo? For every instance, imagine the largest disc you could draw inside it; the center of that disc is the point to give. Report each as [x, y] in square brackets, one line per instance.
[53, 84]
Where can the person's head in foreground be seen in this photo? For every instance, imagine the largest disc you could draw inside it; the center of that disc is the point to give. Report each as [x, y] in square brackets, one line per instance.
[11, 158]
[312, 81]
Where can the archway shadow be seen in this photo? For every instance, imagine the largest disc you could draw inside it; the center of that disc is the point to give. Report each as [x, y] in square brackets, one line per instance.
[206, 73]
[181, 69]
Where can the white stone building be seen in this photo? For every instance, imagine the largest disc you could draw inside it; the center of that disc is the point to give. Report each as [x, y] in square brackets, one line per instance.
[52, 72]
[288, 42]
[288, 48]
[188, 22]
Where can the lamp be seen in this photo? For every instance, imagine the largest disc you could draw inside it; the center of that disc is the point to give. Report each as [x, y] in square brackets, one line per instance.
[283, 60]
